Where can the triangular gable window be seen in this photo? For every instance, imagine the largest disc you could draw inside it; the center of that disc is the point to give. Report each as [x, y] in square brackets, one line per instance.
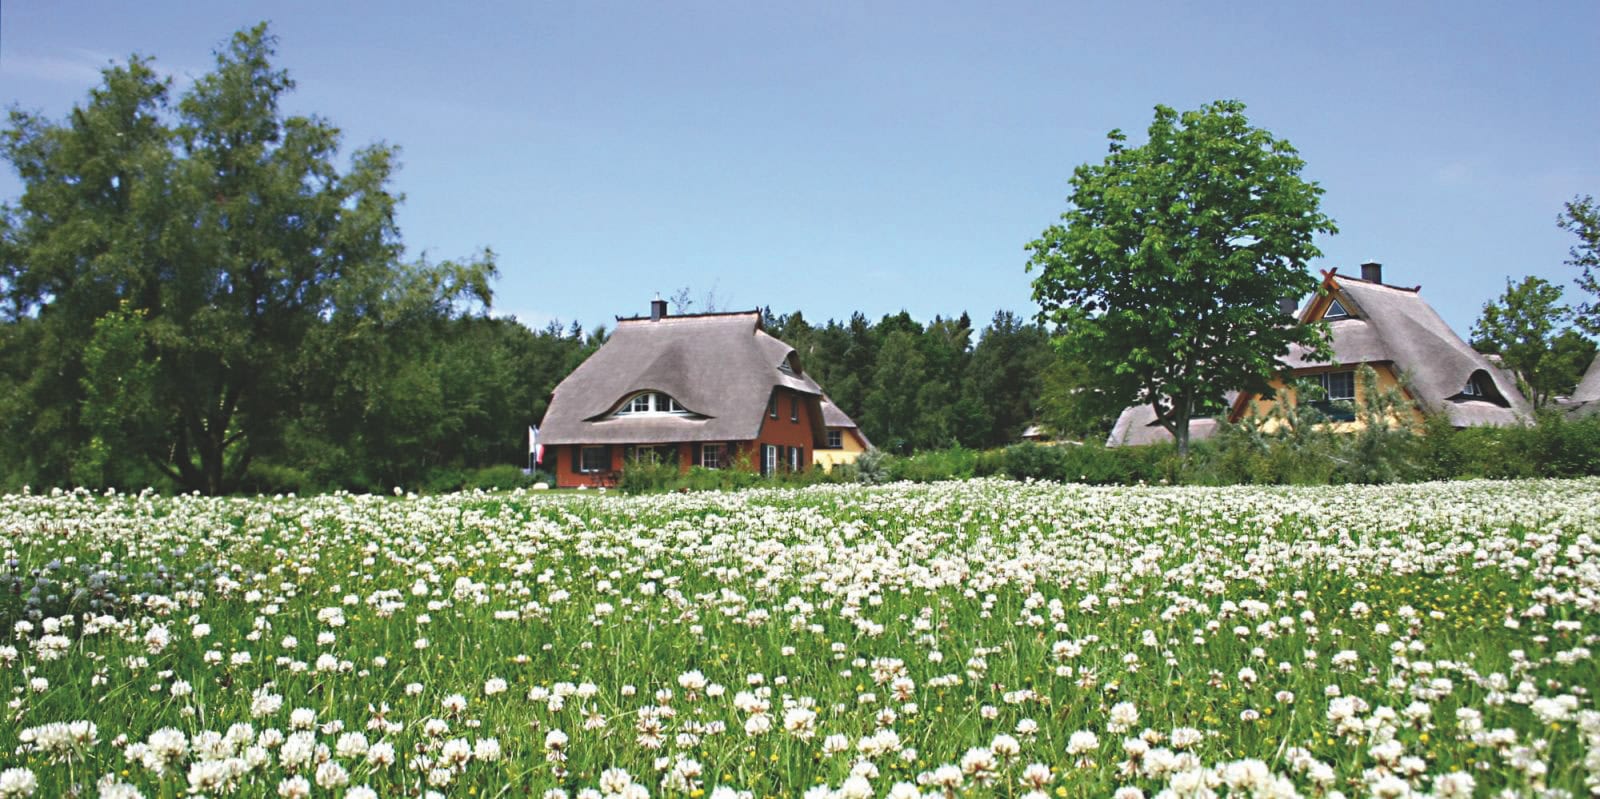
[1336, 311]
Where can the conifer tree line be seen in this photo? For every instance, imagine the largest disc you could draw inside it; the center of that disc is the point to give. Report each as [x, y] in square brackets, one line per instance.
[912, 386]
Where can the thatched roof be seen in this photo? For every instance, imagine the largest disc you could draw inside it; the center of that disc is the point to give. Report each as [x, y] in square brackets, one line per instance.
[1137, 426]
[833, 417]
[1588, 389]
[722, 368]
[1396, 326]
[1387, 325]
[1585, 399]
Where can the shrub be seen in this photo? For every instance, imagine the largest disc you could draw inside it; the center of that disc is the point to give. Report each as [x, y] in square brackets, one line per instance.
[989, 463]
[933, 465]
[647, 474]
[872, 467]
[504, 476]
[1032, 461]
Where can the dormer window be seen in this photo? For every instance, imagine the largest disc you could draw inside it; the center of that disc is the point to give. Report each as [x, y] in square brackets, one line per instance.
[1473, 388]
[651, 402]
[1336, 310]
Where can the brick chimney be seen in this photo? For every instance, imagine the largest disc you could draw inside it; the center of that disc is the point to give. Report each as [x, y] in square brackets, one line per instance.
[658, 309]
[1372, 272]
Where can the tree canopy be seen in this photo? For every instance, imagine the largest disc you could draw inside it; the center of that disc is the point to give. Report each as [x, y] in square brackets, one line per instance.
[1526, 328]
[195, 292]
[1166, 271]
[1581, 217]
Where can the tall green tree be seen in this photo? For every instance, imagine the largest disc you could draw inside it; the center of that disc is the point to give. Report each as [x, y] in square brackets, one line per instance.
[210, 254]
[899, 385]
[1523, 327]
[1004, 382]
[1166, 270]
[1581, 217]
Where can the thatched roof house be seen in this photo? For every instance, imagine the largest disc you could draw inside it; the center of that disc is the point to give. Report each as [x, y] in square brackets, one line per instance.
[1394, 331]
[712, 390]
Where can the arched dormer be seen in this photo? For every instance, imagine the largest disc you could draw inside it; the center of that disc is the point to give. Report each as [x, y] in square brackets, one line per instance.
[1480, 386]
[651, 403]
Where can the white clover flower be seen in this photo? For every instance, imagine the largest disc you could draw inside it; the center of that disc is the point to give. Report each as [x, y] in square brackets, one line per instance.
[1082, 742]
[1122, 717]
[1454, 785]
[486, 749]
[156, 639]
[381, 754]
[109, 788]
[296, 787]
[351, 745]
[1005, 746]
[16, 783]
[454, 704]
[800, 722]
[1037, 776]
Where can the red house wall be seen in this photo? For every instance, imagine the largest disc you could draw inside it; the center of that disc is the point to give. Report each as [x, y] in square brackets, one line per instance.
[785, 433]
[568, 476]
[781, 432]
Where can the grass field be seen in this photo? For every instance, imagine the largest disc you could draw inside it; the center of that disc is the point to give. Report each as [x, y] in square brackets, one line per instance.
[983, 638]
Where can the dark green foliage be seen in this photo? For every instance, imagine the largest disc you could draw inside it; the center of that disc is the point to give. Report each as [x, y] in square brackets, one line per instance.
[1166, 270]
[1526, 328]
[647, 475]
[1581, 218]
[1555, 447]
[195, 296]
[1296, 443]
[932, 465]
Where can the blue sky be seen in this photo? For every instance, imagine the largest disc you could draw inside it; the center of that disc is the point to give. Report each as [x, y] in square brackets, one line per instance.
[833, 157]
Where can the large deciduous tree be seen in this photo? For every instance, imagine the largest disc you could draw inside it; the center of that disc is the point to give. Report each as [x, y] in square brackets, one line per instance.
[179, 280]
[1581, 217]
[1526, 328]
[1166, 271]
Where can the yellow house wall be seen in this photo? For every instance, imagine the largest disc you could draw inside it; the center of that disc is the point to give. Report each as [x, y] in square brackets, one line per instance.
[848, 453]
[1387, 380]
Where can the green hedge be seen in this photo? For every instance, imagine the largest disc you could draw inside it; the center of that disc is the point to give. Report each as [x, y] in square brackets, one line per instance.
[1239, 454]
[1553, 447]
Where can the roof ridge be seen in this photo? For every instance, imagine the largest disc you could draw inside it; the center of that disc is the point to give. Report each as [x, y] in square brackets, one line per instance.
[695, 317]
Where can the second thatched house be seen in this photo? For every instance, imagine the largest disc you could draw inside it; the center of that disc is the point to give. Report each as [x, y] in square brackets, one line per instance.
[1388, 328]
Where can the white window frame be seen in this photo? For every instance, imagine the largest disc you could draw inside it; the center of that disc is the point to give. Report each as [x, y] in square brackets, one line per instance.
[711, 455]
[1472, 389]
[796, 456]
[835, 439]
[1343, 312]
[1325, 379]
[769, 459]
[652, 403]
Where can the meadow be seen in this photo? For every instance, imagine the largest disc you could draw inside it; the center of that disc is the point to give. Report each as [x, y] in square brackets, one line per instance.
[976, 638]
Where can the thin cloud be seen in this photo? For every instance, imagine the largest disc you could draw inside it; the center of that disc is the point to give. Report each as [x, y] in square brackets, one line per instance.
[75, 66]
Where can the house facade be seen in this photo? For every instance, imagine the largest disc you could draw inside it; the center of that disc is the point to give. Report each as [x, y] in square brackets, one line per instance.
[845, 442]
[708, 390]
[1390, 329]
